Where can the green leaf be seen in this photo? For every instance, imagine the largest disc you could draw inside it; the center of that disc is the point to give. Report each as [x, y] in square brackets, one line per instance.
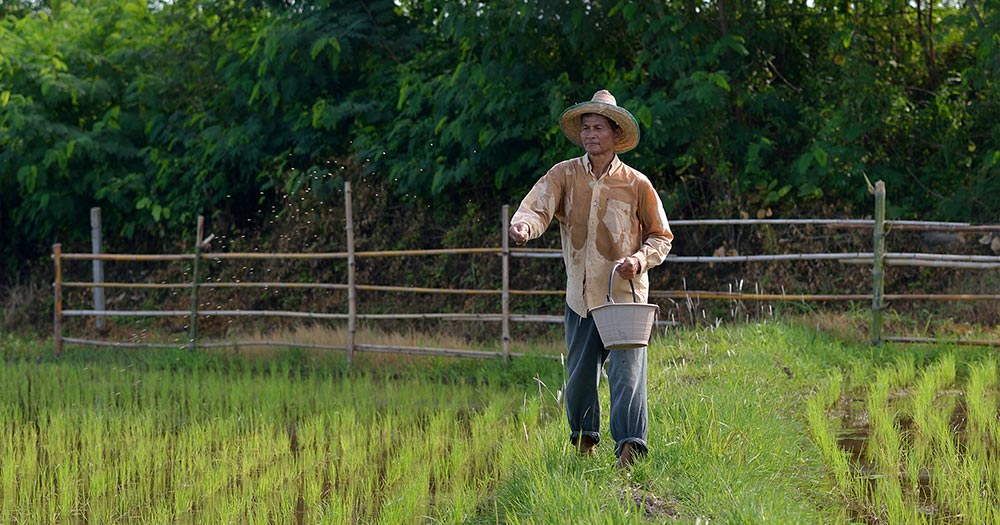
[820, 155]
[719, 80]
[645, 116]
[440, 125]
[318, 113]
[317, 48]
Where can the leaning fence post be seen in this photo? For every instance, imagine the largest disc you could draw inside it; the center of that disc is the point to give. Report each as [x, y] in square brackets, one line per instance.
[505, 297]
[96, 249]
[193, 326]
[878, 256]
[57, 297]
[352, 312]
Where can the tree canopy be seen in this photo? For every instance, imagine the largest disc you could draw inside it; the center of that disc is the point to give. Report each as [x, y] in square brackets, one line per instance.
[161, 111]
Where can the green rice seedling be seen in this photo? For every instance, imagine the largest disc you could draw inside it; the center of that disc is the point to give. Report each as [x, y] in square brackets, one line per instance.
[335, 505]
[311, 461]
[980, 403]
[961, 462]
[896, 507]
[484, 427]
[914, 474]
[885, 447]
[823, 430]
[991, 493]
[934, 442]
[407, 502]
[453, 449]
[905, 371]
[933, 379]
[8, 480]
[27, 460]
[973, 493]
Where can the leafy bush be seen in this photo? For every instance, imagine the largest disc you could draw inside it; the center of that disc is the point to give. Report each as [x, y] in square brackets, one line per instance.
[160, 112]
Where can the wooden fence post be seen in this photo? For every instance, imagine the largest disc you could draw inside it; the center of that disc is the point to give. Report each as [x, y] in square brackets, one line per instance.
[352, 312]
[57, 297]
[96, 243]
[505, 297]
[878, 261]
[193, 326]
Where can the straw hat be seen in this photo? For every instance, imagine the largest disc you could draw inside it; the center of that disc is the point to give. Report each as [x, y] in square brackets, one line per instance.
[603, 103]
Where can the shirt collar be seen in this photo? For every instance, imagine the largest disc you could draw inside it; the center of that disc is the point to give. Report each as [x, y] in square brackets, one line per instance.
[611, 167]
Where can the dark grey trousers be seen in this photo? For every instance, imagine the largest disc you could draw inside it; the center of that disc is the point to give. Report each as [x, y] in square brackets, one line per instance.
[586, 357]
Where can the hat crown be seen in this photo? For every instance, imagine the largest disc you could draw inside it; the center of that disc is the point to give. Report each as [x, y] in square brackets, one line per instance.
[605, 97]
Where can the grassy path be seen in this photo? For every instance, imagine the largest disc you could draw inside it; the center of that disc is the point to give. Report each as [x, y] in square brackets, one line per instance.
[728, 436]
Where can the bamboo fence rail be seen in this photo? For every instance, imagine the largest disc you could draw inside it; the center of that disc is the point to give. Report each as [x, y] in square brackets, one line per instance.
[879, 258]
[932, 340]
[845, 223]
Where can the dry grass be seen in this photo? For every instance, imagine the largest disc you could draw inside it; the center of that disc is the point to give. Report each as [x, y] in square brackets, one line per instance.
[24, 307]
[931, 323]
[336, 335]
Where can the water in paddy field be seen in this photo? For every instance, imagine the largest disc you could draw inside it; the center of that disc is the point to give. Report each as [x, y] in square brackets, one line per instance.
[921, 472]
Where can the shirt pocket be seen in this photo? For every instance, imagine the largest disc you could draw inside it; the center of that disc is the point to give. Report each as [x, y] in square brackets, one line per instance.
[618, 221]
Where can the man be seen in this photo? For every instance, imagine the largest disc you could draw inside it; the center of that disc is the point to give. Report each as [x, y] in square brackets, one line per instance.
[608, 214]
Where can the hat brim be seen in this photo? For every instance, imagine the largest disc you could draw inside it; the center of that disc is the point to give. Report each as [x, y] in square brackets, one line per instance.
[571, 123]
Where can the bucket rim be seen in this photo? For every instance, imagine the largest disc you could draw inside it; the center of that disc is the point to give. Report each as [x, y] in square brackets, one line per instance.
[626, 305]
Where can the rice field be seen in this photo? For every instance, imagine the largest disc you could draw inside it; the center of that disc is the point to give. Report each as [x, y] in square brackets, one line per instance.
[914, 444]
[770, 422]
[97, 440]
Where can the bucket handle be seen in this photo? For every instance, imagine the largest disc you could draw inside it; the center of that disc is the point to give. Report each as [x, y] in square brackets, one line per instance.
[614, 269]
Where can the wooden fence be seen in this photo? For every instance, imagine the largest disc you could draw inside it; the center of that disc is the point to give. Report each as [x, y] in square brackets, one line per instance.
[878, 258]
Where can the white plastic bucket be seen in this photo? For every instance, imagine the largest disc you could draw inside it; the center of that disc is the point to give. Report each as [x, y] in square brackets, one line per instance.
[624, 326]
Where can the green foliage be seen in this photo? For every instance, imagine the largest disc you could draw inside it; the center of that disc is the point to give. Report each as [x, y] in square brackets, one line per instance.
[474, 110]
[64, 135]
[160, 115]
[162, 111]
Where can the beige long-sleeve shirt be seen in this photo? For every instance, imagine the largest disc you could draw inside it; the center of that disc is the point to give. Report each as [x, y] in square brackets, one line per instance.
[601, 219]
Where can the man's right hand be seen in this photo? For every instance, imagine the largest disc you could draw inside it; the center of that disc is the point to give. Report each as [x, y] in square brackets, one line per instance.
[519, 232]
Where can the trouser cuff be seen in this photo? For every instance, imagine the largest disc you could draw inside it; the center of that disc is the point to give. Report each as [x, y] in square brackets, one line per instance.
[574, 437]
[638, 446]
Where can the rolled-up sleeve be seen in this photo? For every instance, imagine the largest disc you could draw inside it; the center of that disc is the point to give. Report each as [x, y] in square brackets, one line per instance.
[657, 238]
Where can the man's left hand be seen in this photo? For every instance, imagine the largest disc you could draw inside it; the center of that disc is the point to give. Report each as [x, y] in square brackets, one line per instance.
[629, 267]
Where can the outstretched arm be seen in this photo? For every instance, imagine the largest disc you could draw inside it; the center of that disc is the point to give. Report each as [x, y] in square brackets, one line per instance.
[537, 208]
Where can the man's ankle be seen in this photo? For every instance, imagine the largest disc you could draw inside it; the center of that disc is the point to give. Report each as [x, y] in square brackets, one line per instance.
[585, 445]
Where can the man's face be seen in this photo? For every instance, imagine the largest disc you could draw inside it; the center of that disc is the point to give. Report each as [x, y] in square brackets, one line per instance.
[597, 134]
